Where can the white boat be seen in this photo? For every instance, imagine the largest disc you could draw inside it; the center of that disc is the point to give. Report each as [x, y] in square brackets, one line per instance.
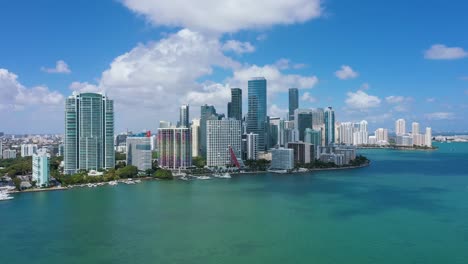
[223, 176]
[137, 181]
[184, 178]
[203, 177]
[5, 196]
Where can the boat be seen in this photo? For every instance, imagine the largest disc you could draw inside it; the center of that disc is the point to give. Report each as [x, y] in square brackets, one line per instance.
[137, 181]
[203, 177]
[184, 178]
[223, 176]
[4, 196]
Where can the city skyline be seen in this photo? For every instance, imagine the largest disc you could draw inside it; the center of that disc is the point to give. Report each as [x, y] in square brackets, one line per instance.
[368, 81]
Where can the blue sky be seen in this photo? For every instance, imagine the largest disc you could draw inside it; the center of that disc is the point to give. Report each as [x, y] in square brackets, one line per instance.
[404, 59]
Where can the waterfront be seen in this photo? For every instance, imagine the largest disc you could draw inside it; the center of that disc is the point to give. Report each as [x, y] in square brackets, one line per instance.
[407, 207]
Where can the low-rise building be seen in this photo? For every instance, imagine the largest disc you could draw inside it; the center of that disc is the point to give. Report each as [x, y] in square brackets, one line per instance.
[282, 159]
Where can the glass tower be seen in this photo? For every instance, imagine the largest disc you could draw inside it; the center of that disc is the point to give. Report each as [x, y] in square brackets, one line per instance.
[257, 112]
[329, 126]
[207, 112]
[89, 132]
[184, 116]
[235, 106]
[293, 101]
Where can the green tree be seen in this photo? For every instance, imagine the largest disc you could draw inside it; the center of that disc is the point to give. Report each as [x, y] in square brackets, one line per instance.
[17, 183]
[199, 162]
[163, 174]
[127, 172]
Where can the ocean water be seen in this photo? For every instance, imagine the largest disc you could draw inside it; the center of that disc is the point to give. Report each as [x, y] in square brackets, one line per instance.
[407, 207]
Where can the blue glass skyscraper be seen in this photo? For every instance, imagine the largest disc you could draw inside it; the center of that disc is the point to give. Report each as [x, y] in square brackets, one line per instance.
[329, 126]
[257, 112]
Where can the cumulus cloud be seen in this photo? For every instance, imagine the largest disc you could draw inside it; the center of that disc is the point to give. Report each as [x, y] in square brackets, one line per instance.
[225, 16]
[83, 87]
[395, 99]
[14, 95]
[345, 73]
[442, 52]
[238, 46]
[307, 97]
[277, 111]
[440, 116]
[284, 64]
[360, 100]
[60, 67]
[401, 103]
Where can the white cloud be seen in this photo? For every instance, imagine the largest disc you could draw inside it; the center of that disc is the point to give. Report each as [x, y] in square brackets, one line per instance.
[430, 100]
[440, 116]
[227, 15]
[393, 99]
[284, 64]
[60, 67]
[276, 80]
[13, 95]
[361, 100]
[442, 52]
[84, 87]
[262, 37]
[308, 98]
[346, 72]
[276, 111]
[238, 47]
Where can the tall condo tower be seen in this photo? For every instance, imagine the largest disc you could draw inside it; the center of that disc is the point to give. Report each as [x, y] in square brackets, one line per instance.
[293, 102]
[184, 115]
[257, 112]
[329, 117]
[235, 106]
[400, 127]
[89, 132]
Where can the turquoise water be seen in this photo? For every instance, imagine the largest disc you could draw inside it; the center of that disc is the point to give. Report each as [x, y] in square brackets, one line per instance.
[407, 207]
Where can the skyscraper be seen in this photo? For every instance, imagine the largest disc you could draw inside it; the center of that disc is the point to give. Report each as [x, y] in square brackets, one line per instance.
[302, 121]
[40, 168]
[222, 136]
[184, 115]
[252, 146]
[89, 132]
[195, 137]
[235, 106]
[257, 112]
[428, 137]
[139, 151]
[329, 118]
[400, 127]
[293, 101]
[207, 112]
[415, 128]
[175, 148]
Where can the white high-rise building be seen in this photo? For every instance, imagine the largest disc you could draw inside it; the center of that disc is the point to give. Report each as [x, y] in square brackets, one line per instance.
[139, 152]
[428, 140]
[9, 154]
[40, 168]
[381, 136]
[221, 137]
[1, 149]
[27, 150]
[345, 133]
[195, 137]
[252, 146]
[361, 136]
[400, 127]
[415, 128]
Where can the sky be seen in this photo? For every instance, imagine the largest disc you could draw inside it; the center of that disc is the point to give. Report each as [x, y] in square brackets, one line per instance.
[372, 60]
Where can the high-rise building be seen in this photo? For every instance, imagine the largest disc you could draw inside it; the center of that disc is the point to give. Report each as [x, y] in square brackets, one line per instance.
[184, 116]
[222, 137]
[293, 102]
[415, 128]
[361, 136]
[381, 135]
[1, 149]
[195, 137]
[428, 136]
[89, 132]
[207, 112]
[27, 150]
[304, 153]
[329, 119]
[313, 137]
[164, 124]
[40, 168]
[282, 159]
[302, 121]
[235, 106]
[346, 133]
[400, 127]
[257, 112]
[252, 146]
[175, 147]
[139, 151]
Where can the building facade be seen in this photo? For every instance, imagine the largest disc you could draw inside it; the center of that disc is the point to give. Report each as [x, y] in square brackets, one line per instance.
[222, 136]
[400, 127]
[235, 106]
[195, 137]
[304, 153]
[257, 110]
[9, 154]
[252, 146]
[207, 112]
[293, 102]
[40, 168]
[139, 152]
[184, 116]
[89, 132]
[175, 147]
[282, 159]
[27, 150]
[329, 119]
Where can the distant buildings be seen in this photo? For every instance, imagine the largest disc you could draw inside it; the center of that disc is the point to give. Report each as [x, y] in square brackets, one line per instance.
[27, 150]
[223, 136]
[164, 124]
[235, 106]
[282, 159]
[293, 102]
[175, 148]
[9, 154]
[428, 139]
[400, 127]
[313, 137]
[207, 112]
[89, 132]
[40, 168]
[304, 153]
[139, 151]
[302, 121]
[329, 117]
[381, 136]
[257, 110]
[184, 116]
